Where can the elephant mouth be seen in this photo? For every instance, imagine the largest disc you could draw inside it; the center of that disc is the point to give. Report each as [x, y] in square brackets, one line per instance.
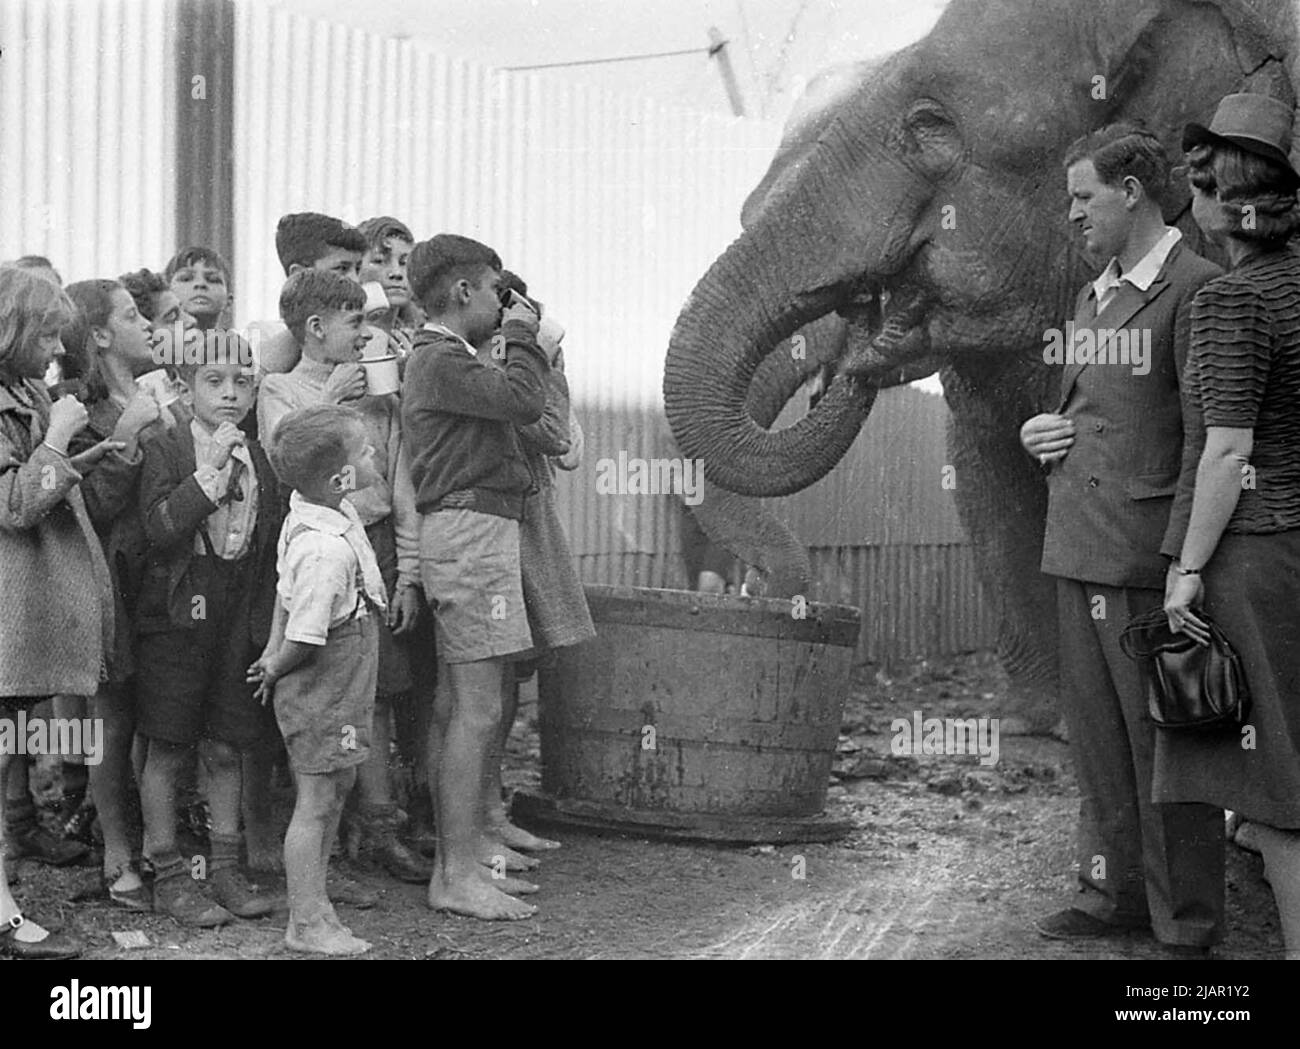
[887, 333]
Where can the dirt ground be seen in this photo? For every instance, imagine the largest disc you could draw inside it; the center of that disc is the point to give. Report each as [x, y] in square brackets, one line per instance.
[947, 859]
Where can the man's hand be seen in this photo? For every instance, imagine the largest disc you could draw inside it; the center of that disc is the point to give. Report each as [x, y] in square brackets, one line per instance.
[224, 439]
[1047, 437]
[347, 382]
[404, 612]
[89, 459]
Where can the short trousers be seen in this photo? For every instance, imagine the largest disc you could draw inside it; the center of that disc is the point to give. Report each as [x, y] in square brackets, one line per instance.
[325, 706]
[469, 565]
[191, 684]
[394, 664]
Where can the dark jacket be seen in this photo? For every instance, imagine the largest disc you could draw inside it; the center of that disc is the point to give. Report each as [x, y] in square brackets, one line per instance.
[173, 507]
[1109, 498]
[459, 417]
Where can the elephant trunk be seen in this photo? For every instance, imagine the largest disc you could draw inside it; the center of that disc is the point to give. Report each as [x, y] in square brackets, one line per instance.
[737, 315]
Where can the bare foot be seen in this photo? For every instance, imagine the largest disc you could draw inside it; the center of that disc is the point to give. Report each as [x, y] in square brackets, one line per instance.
[493, 853]
[514, 886]
[322, 937]
[518, 838]
[477, 899]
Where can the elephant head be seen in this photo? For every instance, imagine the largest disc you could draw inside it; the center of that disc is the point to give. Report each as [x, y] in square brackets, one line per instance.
[922, 204]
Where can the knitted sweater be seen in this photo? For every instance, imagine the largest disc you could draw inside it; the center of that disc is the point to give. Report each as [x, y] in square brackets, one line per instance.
[56, 616]
[1243, 371]
[459, 417]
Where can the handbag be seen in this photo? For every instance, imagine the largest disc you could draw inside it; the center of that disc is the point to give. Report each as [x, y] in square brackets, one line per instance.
[1189, 686]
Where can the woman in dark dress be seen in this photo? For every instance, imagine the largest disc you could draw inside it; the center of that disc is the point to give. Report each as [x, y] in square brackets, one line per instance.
[1235, 527]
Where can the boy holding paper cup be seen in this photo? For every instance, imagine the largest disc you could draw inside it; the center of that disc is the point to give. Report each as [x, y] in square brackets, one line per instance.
[325, 314]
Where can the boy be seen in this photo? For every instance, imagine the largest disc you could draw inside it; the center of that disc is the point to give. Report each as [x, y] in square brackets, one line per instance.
[324, 314]
[471, 479]
[211, 516]
[201, 280]
[309, 241]
[321, 664]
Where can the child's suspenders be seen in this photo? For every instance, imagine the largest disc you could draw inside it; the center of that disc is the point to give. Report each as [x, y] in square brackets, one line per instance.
[358, 582]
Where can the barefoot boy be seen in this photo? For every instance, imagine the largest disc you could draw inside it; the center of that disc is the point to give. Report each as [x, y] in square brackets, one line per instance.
[459, 417]
[322, 661]
[211, 516]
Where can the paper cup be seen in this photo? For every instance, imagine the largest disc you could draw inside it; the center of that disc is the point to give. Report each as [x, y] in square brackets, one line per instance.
[381, 374]
[157, 383]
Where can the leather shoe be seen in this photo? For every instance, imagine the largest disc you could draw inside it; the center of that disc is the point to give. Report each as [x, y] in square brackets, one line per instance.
[184, 900]
[1074, 924]
[401, 862]
[44, 847]
[243, 898]
[56, 946]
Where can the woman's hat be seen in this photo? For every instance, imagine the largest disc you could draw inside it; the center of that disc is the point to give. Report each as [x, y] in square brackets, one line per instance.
[1258, 124]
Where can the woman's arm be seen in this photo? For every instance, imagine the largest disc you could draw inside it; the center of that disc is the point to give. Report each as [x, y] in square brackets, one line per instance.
[30, 489]
[1219, 477]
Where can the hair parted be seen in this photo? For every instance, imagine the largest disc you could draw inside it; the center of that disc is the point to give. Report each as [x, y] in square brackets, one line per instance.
[311, 444]
[438, 263]
[29, 303]
[1121, 150]
[379, 229]
[314, 292]
[306, 236]
[1257, 195]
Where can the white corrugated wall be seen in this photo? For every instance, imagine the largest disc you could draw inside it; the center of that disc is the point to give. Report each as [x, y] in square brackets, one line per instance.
[86, 134]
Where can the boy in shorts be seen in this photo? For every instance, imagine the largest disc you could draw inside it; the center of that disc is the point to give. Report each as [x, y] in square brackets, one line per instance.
[211, 516]
[471, 478]
[321, 665]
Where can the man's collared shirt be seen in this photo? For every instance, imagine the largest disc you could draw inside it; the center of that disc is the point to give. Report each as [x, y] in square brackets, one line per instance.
[1140, 275]
[230, 525]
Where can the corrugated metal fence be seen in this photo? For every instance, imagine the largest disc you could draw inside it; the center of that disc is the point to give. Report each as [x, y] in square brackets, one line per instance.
[86, 127]
[610, 207]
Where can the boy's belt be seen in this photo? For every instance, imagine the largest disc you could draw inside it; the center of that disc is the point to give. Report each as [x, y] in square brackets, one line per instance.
[499, 504]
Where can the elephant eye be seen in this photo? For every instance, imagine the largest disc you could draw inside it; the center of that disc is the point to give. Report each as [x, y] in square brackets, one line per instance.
[926, 114]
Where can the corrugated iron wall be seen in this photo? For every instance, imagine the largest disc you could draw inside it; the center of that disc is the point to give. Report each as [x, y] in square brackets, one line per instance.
[882, 528]
[86, 134]
[610, 207]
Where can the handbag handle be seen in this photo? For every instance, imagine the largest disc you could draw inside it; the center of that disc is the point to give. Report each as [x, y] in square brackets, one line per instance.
[1137, 642]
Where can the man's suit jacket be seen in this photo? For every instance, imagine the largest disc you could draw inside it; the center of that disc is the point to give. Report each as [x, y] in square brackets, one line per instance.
[174, 508]
[1109, 498]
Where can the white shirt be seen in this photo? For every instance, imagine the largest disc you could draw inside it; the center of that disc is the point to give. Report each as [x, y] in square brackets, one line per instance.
[230, 525]
[1139, 275]
[318, 570]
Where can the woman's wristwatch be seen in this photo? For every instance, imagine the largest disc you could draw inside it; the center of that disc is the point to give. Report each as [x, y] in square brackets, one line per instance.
[1179, 568]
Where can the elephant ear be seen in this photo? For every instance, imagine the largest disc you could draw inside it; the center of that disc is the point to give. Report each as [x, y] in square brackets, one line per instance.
[1124, 43]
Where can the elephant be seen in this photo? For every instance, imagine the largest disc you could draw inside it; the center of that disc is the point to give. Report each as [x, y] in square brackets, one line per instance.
[914, 220]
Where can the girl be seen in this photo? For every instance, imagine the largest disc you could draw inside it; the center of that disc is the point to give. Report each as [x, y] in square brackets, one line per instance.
[52, 571]
[110, 339]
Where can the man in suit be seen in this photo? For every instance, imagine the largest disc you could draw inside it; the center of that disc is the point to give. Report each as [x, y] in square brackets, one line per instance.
[1113, 448]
